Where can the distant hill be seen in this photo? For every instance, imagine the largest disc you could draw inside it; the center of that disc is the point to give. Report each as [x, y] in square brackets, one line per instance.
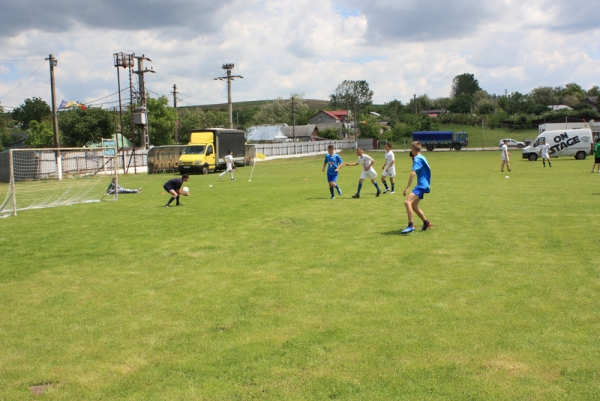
[312, 103]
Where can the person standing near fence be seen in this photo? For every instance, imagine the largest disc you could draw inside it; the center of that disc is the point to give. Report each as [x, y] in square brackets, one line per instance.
[334, 163]
[505, 156]
[389, 169]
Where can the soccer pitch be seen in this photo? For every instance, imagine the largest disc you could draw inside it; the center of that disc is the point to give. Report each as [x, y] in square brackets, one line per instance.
[270, 290]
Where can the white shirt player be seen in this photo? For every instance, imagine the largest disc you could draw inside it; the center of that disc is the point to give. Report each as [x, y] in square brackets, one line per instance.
[391, 168]
[229, 161]
[504, 152]
[365, 161]
[545, 150]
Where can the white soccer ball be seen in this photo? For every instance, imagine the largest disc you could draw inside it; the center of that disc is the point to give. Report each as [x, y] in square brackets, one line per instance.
[506, 177]
[185, 190]
[210, 186]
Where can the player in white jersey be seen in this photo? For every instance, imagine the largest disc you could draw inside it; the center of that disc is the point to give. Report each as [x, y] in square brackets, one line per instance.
[228, 159]
[389, 168]
[368, 171]
[545, 152]
[505, 156]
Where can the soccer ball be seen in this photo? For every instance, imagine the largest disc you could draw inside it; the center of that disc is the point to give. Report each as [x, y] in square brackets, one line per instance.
[185, 190]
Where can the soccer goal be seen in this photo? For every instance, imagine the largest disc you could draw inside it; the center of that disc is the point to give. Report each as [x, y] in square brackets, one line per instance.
[40, 178]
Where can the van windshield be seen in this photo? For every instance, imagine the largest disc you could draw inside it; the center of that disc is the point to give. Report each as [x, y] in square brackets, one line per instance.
[194, 150]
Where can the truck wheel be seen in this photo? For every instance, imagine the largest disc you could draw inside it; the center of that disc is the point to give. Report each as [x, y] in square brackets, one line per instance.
[429, 147]
[532, 157]
[205, 170]
[457, 146]
[580, 155]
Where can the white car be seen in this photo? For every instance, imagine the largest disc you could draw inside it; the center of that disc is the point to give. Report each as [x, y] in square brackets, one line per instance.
[512, 143]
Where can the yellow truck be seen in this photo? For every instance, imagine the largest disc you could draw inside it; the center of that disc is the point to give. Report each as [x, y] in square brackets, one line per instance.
[208, 146]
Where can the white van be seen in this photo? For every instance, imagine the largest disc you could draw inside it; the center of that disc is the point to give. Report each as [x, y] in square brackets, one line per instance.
[570, 142]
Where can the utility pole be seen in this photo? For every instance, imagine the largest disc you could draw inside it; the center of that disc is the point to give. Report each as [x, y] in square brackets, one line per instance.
[53, 62]
[494, 103]
[132, 117]
[121, 60]
[229, 78]
[293, 122]
[177, 120]
[142, 112]
[415, 103]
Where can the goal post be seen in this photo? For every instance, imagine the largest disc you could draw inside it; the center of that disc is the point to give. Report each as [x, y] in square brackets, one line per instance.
[40, 178]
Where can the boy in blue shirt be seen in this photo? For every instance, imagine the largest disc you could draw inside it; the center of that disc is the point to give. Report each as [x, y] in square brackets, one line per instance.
[333, 163]
[421, 169]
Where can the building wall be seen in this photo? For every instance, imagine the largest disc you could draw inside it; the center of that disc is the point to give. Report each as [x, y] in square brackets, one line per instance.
[321, 117]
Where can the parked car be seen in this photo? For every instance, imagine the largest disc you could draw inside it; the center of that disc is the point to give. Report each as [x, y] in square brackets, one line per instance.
[512, 143]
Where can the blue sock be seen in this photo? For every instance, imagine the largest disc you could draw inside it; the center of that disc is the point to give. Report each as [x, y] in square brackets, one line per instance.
[331, 190]
[338, 189]
[385, 184]
[359, 188]
[377, 186]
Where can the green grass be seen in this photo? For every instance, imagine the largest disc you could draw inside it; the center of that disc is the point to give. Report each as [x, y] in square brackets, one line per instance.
[270, 290]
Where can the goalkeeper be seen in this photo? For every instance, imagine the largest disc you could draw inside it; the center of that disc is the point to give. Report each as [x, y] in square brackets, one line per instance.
[120, 190]
[173, 186]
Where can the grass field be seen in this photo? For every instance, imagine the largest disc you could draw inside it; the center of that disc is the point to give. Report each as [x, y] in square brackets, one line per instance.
[270, 290]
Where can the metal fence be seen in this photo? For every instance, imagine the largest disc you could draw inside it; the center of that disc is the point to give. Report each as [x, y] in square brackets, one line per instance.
[300, 148]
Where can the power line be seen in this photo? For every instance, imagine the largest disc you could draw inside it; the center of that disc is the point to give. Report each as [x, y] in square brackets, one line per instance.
[112, 94]
[41, 65]
[17, 60]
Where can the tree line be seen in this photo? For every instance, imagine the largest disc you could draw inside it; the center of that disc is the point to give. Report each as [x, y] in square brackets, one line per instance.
[467, 103]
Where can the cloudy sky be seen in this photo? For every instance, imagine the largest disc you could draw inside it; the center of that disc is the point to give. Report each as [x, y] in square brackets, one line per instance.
[400, 47]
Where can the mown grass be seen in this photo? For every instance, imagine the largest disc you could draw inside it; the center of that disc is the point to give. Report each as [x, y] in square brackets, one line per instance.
[270, 290]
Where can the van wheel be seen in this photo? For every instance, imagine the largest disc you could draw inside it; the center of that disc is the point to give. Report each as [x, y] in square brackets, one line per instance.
[457, 146]
[580, 155]
[205, 170]
[429, 147]
[532, 157]
[520, 146]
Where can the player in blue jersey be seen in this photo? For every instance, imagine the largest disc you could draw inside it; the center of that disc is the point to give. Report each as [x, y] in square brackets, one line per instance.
[420, 169]
[333, 162]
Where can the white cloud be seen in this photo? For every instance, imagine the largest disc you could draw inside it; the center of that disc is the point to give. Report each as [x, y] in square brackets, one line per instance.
[309, 46]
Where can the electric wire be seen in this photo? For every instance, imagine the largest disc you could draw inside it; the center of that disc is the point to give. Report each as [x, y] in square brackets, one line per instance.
[41, 65]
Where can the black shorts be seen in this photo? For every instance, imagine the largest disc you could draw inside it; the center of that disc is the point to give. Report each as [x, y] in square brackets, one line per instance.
[597, 160]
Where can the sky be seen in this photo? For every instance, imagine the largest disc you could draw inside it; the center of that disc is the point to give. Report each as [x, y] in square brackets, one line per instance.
[400, 47]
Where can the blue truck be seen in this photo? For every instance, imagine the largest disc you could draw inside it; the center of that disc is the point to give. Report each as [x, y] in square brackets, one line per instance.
[441, 139]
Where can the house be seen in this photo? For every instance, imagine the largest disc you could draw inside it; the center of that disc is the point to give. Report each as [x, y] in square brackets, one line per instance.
[336, 116]
[267, 133]
[434, 113]
[592, 101]
[303, 133]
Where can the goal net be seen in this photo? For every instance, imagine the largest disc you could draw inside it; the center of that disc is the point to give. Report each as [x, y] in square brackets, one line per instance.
[40, 178]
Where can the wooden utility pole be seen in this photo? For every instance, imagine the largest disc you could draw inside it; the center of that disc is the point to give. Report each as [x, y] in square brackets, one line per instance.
[293, 121]
[142, 93]
[177, 114]
[229, 78]
[53, 62]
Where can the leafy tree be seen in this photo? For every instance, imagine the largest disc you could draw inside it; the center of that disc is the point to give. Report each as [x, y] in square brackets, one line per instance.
[441, 103]
[329, 133]
[80, 127]
[369, 126]
[594, 91]
[41, 135]
[571, 100]
[349, 93]
[161, 121]
[5, 138]
[31, 110]
[279, 111]
[544, 95]
[195, 119]
[575, 90]
[464, 83]
[461, 103]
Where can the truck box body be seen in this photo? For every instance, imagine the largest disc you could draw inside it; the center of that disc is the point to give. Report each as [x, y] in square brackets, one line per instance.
[571, 142]
[441, 139]
[208, 146]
